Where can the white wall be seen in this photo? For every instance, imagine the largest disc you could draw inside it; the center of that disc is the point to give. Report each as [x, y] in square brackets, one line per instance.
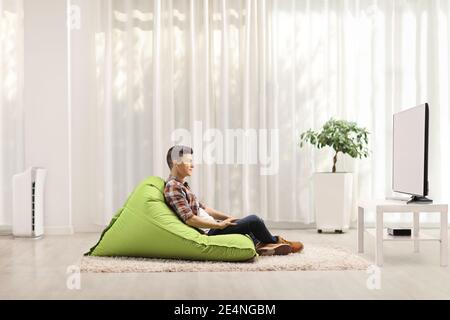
[46, 105]
[85, 131]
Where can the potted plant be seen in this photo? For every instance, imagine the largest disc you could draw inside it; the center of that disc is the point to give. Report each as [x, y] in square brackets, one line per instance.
[333, 190]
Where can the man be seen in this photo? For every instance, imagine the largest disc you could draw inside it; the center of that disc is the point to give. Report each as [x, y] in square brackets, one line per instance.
[183, 201]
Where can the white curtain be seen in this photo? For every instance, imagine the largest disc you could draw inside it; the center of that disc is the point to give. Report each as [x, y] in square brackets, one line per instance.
[11, 80]
[282, 66]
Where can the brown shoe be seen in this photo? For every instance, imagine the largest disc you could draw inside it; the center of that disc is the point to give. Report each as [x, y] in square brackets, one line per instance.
[296, 246]
[263, 250]
[279, 249]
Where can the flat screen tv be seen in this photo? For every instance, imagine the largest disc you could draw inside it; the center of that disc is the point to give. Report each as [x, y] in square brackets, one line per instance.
[410, 153]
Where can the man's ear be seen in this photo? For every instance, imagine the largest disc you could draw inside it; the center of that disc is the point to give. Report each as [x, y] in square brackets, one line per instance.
[175, 163]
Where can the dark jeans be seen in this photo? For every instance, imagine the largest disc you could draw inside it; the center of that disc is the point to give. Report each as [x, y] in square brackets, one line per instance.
[252, 225]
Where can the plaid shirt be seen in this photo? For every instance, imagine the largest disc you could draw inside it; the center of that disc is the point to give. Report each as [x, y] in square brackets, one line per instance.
[181, 199]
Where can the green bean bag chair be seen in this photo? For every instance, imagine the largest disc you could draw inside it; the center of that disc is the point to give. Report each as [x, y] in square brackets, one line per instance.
[147, 227]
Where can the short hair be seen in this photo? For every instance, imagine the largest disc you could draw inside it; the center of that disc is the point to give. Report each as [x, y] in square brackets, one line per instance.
[176, 153]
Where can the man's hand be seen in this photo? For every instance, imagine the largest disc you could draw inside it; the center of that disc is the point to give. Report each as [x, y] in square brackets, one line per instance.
[227, 222]
[218, 215]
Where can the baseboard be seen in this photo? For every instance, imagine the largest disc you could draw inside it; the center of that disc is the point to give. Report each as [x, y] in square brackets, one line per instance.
[353, 225]
[286, 225]
[52, 230]
[91, 228]
[58, 230]
[5, 230]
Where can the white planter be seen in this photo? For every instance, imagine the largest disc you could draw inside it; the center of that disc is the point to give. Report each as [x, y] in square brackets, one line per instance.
[333, 200]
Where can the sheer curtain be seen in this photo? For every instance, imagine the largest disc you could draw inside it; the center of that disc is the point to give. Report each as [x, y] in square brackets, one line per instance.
[11, 79]
[364, 60]
[282, 66]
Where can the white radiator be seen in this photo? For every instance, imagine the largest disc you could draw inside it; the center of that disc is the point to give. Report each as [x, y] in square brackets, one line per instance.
[28, 203]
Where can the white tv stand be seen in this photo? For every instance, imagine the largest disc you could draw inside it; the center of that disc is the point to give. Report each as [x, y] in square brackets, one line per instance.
[394, 198]
[401, 207]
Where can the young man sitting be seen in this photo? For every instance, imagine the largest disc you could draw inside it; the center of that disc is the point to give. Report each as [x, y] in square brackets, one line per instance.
[183, 201]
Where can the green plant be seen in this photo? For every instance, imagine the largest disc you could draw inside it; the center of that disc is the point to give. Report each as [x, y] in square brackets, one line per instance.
[341, 135]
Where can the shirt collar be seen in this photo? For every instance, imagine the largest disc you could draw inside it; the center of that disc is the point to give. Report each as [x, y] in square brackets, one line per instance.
[171, 177]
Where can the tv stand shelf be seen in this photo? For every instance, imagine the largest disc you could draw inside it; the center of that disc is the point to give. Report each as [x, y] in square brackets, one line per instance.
[400, 207]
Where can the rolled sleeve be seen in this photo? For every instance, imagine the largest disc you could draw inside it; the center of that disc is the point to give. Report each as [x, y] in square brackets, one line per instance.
[177, 200]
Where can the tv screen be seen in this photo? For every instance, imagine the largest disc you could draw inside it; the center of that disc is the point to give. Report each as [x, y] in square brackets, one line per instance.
[410, 152]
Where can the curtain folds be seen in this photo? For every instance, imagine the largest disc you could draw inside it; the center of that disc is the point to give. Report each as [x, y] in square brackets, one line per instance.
[11, 106]
[278, 67]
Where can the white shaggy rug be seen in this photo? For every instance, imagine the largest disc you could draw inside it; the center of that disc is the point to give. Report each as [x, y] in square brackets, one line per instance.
[313, 257]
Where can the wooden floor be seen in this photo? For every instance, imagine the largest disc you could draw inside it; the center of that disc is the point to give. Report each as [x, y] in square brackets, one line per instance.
[37, 269]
